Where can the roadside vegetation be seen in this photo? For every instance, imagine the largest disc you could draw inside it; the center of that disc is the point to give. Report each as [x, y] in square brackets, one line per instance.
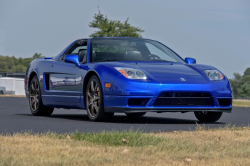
[241, 84]
[16, 65]
[221, 146]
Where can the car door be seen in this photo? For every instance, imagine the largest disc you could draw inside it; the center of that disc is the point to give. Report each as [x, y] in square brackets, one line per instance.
[66, 82]
[66, 79]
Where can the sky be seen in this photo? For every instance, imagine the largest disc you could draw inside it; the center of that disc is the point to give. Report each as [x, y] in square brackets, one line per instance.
[214, 32]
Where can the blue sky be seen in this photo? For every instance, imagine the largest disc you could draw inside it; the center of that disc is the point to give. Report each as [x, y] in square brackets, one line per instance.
[215, 32]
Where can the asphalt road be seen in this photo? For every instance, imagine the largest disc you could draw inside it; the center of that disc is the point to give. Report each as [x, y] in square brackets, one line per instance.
[15, 116]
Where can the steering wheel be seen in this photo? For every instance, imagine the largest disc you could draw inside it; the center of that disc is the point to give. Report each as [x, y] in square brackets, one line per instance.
[152, 57]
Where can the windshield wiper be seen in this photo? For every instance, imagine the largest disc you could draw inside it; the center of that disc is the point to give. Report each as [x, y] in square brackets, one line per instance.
[106, 60]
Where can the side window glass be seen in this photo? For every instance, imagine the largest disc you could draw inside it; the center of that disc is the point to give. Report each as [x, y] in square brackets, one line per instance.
[76, 50]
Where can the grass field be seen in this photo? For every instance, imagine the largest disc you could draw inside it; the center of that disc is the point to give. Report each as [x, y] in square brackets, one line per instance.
[223, 146]
[241, 103]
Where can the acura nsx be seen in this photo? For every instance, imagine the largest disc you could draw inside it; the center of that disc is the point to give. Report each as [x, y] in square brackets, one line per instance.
[125, 75]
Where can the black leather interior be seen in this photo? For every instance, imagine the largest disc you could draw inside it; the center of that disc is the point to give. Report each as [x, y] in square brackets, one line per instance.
[132, 56]
[82, 54]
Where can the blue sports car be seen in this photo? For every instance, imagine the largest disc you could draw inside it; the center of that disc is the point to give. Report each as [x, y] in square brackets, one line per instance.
[125, 75]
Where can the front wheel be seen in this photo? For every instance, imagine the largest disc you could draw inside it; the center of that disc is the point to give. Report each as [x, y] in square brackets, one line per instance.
[204, 116]
[94, 101]
[35, 101]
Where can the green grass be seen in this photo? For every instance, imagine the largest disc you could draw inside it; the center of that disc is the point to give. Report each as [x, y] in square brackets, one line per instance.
[227, 145]
[113, 138]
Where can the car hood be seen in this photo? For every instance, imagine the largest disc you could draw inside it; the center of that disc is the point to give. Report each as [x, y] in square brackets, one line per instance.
[167, 72]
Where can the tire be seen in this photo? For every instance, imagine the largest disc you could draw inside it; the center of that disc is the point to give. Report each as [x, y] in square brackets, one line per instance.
[1, 92]
[35, 101]
[136, 114]
[94, 101]
[204, 116]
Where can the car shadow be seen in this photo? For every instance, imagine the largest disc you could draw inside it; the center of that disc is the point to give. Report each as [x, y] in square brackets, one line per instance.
[118, 119]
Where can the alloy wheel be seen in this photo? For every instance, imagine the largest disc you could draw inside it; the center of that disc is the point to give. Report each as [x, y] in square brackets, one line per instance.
[34, 95]
[93, 99]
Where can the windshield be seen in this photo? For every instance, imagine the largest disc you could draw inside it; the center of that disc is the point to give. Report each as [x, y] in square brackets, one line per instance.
[130, 50]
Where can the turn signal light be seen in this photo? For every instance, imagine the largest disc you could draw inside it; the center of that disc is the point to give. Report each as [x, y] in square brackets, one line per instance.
[123, 72]
[107, 85]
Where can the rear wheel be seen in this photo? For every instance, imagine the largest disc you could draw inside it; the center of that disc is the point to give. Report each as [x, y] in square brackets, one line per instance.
[1, 92]
[136, 114]
[94, 101]
[35, 101]
[205, 116]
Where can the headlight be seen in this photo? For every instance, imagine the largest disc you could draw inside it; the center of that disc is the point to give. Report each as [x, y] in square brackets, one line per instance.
[131, 73]
[214, 75]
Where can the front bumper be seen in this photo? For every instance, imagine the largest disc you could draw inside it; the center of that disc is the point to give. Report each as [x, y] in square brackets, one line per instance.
[120, 104]
[116, 98]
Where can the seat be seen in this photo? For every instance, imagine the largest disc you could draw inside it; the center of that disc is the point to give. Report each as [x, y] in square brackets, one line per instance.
[82, 55]
[132, 56]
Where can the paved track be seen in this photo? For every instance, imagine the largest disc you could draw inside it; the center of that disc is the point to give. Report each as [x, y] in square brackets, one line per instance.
[16, 117]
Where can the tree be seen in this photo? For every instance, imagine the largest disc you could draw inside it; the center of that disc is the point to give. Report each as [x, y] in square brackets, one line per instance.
[241, 84]
[235, 87]
[16, 65]
[36, 55]
[113, 28]
[236, 84]
[245, 90]
[247, 72]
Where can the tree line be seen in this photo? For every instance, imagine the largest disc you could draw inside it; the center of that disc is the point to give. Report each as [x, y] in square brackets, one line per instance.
[16, 65]
[241, 84]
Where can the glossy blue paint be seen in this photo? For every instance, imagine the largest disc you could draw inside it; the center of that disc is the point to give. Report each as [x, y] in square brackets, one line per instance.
[48, 57]
[190, 60]
[66, 82]
[72, 59]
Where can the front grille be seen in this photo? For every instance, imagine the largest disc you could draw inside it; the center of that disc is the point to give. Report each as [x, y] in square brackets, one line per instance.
[183, 99]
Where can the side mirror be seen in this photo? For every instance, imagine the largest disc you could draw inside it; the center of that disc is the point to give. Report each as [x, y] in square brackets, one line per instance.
[72, 58]
[190, 60]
